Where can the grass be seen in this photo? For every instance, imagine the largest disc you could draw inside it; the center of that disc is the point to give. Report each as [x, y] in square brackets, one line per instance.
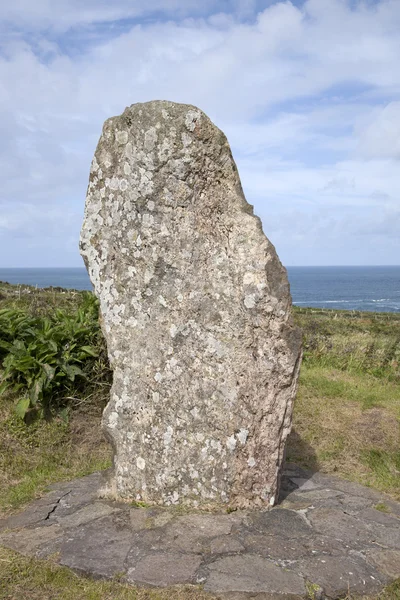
[346, 421]
[35, 455]
[347, 413]
[27, 578]
[38, 301]
[351, 341]
[391, 592]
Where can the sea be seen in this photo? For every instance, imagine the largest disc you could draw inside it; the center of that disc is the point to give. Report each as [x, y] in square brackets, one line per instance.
[375, 289]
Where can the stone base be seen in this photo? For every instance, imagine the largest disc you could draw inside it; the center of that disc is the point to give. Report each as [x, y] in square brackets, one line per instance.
[325, 538]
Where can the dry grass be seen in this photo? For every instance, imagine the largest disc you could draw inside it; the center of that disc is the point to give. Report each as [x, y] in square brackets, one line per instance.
[37, 301]
[33, 456]
[347, 413]
[336, 434]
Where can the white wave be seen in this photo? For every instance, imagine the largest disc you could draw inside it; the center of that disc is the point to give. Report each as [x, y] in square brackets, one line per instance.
[324, 301]
[361, 300]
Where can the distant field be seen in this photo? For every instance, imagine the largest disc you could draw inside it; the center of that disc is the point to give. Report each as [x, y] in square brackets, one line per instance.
[346, 419]
[347, 413]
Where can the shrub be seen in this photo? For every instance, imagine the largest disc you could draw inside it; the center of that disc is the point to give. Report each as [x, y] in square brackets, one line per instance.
[47, 359]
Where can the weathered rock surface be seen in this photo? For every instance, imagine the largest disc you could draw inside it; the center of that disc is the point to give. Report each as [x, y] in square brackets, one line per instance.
[196, 314]
[309, 543]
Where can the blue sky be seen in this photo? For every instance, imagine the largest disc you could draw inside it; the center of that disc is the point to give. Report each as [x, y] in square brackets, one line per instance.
[308, 93]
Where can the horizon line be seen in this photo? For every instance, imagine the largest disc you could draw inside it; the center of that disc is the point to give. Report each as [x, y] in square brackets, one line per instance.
[286, 266]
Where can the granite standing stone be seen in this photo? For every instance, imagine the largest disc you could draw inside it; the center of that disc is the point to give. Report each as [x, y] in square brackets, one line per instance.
[196, 313]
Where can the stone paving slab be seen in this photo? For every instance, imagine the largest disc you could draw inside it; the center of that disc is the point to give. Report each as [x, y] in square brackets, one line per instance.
[325, 533]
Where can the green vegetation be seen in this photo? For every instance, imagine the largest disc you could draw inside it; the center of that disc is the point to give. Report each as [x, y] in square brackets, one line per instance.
[313, 590]
[351, 341]
[347, 413]
[54, 357]
[346, 418]
[39, 453]
[50, 358]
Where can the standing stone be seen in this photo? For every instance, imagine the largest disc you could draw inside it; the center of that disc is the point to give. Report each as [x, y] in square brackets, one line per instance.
[196, 313]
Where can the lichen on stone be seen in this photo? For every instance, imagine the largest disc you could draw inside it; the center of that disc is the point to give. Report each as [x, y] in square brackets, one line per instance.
[195, 309]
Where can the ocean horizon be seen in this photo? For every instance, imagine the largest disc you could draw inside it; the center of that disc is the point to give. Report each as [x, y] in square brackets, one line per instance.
[363, 288]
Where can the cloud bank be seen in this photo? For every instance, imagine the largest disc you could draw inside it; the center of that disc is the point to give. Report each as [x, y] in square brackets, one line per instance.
[308, 94]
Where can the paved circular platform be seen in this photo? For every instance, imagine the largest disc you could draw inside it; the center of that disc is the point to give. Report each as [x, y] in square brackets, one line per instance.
[325, 538]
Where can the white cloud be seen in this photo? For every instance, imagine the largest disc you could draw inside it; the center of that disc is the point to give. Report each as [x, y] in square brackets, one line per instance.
[63, 14]
[379, 133]
[29, 231]
[308, 96]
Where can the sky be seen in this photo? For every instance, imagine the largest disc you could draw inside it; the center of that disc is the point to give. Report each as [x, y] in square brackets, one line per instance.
[307, 92]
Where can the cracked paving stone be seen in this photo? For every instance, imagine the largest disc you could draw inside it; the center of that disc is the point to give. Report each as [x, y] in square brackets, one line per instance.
[263, 596]
[39, 542]
[387, 561]
[98, 548]
[341, 526]
[347, 487]
[35, 514]
[305, 484]
[139, 518]
[388, 537]
[281, 522]
[79, 495]
[63, 498]
[342, 544]
[210, 525]
[225, 544]
[161, 518]
[351, 504]
[371, 515]
[193, 533]
[251, 573]
[86, 514]
[283, 549]
[88, 485]
[163, 570]
[338, 575]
